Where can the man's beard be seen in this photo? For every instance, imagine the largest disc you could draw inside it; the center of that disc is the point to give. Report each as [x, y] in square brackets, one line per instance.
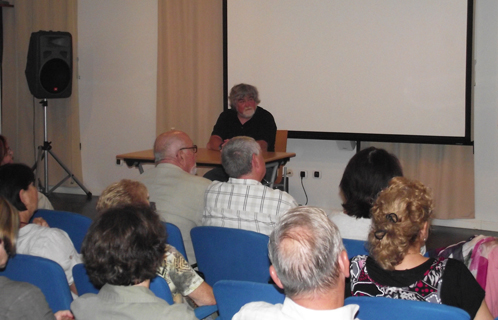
[248, 113]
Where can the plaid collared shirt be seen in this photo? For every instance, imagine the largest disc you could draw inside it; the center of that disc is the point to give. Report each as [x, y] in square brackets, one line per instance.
[245, 204]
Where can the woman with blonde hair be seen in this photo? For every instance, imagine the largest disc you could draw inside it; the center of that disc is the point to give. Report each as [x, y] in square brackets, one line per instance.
[396, 268]
[19, 300]
[122, 193]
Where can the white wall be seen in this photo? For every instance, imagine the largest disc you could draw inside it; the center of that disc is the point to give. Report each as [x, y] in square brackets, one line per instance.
[117, 65]
[117, 48]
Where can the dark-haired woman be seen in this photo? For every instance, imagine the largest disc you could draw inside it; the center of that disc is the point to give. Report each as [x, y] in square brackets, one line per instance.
[122, 251]
[396, 268]
[367, 173]
[6, 157]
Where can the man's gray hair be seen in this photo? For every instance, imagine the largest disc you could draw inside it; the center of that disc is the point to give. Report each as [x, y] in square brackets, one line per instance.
[236, 156]
[241, 91]
[304, 249]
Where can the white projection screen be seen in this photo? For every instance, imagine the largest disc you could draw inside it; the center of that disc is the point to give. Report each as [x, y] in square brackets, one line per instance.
[370, 70]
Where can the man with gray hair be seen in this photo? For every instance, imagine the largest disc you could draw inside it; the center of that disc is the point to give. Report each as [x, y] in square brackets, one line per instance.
[309, 262]
[173, 186]
[243, 202]
[244, 118]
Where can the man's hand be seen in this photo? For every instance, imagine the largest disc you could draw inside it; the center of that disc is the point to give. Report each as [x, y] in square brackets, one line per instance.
[41, 222]
[215, 143]
[64, 315]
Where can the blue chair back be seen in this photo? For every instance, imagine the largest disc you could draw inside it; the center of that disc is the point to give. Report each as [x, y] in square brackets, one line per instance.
[379, 308]
[158, 285]
[175, 238]
[43, 273]
[231, 295]
[355, 247]
[75, 225]
[231, 254]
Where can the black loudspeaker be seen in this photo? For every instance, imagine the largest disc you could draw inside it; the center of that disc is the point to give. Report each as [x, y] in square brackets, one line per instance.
[49, 69]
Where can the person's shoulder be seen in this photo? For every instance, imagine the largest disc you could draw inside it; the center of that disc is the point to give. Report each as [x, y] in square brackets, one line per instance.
[85, 306]
[52, 233]
[7, 285]
[455, 265]
[228, 113]
[262, 110]
[16, 295]
[216, 184]
[199, 180]
[259, 309]
[285, 196]
[36, 231]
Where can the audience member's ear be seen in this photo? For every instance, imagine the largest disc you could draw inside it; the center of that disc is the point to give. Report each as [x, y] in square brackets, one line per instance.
[424, 233]
[344, 263]
[276, 279]
[24, 196]
[254, 161]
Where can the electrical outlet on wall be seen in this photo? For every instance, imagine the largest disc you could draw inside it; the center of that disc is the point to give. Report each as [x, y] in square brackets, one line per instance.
[289, 171]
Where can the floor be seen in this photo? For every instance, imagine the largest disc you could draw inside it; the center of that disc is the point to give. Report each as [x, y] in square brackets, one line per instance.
[439, 236]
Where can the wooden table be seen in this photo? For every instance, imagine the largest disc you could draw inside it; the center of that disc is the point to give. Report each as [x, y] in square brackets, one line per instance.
[205, 157]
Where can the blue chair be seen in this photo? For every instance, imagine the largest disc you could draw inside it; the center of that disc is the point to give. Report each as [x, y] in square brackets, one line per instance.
[231, 254]
[175, 238]
[232, 295]
[43, 273]
[75, 225]
[355, 247]
[379, 308]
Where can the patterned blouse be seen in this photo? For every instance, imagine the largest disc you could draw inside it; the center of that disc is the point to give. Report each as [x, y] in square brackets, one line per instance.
[179, 275]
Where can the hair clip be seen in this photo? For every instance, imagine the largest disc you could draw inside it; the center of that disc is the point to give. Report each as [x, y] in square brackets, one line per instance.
[392, 217]
[379, 235]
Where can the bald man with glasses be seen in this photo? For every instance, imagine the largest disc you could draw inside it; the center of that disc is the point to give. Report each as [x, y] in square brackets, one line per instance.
[173, 186]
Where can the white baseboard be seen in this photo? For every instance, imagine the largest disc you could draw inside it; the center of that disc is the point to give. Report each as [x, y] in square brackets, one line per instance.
[467, 224]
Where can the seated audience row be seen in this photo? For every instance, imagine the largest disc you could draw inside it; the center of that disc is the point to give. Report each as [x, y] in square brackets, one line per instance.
[189, 201]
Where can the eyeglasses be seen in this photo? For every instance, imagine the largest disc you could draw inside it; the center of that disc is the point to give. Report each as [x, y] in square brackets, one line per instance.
[193, 148]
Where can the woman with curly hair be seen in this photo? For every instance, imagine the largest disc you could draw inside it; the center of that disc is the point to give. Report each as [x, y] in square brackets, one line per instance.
[396, 268]
[122, 251]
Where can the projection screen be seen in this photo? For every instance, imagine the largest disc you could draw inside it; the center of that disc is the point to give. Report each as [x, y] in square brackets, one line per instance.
[370, 70]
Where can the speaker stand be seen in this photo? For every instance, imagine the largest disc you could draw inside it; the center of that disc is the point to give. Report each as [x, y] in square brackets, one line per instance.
[44, 151]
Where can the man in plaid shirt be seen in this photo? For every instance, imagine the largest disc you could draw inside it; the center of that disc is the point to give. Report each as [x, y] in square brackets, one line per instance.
[244, 202]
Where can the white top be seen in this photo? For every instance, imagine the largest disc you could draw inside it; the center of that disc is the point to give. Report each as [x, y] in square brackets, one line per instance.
[49, 243]
[245, 204]
[350, 227]
[43, 202]
[292, 311]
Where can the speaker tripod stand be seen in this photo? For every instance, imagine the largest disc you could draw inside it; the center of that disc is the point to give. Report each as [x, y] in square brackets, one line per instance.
[43, 152]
